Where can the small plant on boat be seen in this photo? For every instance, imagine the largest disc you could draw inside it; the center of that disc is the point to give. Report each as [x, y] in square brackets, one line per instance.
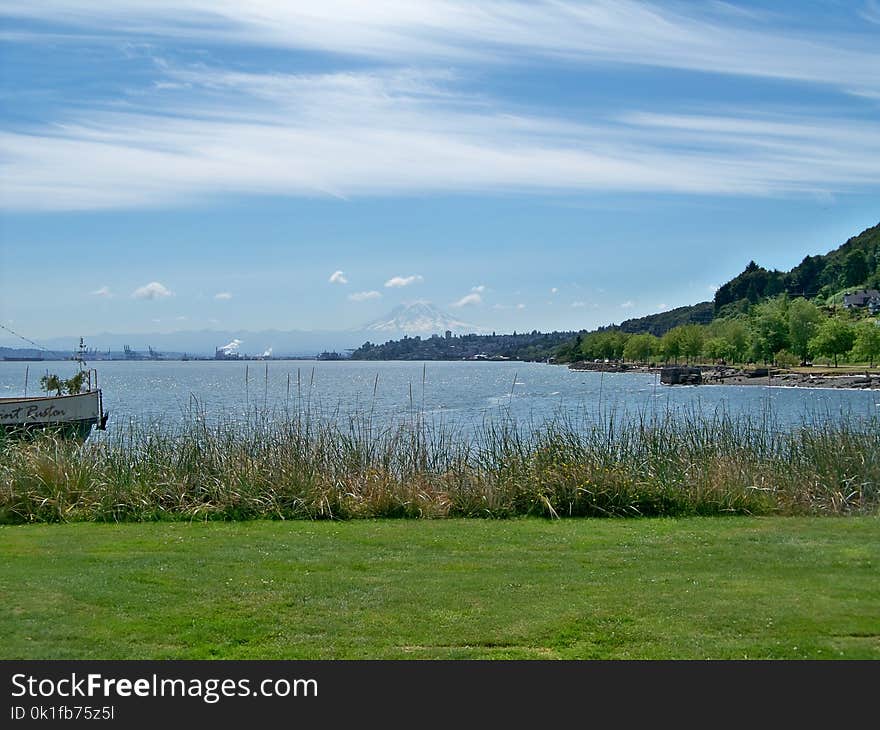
[71, 386]
[52, 382]
[75, 385]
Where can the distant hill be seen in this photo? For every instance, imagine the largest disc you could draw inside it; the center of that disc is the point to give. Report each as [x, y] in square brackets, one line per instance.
[854, 264]
[31, 354]
[659, 324]
[527, 346]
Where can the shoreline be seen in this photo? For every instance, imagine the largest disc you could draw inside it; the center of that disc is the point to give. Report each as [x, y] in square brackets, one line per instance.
[847, 379]
[792, 379]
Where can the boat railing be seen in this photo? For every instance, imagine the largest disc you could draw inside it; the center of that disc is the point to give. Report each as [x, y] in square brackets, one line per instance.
[92, 379]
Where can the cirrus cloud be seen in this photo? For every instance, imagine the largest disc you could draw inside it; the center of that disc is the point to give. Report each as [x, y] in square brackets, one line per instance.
[701, 37]
[394, 132]
[338, 277]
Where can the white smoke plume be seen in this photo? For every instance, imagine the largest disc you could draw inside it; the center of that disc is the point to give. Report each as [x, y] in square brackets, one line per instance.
[230, 348]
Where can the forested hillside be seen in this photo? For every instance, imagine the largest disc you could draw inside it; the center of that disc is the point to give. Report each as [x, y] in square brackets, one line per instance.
[854, 264]
[781, 317]
[659, 324]
[526, 346]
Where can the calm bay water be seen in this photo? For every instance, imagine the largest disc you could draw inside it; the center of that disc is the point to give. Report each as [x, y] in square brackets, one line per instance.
[462, 394]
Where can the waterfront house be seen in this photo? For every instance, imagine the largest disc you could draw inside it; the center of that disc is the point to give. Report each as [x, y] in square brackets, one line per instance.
[869, 298]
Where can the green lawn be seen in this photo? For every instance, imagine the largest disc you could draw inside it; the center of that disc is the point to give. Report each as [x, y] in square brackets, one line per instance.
[738, 587]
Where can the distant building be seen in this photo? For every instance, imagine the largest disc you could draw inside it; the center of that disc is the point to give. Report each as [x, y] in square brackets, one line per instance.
[224, 354]
[132, 354]
[229, 351]
[331, 356]
[869, 298]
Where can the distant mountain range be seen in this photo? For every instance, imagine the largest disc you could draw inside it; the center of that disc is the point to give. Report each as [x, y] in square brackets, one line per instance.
[418, 318]
[206, 342]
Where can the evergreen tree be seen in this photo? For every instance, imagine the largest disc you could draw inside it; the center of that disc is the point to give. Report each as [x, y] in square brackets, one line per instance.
[855, 268]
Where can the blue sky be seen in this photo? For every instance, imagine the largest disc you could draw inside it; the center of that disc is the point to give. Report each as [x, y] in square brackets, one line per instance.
[553, 165]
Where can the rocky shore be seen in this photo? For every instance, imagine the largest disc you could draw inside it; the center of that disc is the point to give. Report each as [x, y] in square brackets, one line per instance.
[790, 378]
[778, 377]
[613, 367]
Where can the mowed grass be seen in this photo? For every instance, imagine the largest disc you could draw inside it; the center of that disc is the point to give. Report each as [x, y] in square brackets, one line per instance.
[660, 588]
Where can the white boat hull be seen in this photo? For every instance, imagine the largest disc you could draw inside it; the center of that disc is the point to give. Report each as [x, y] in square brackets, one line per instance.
[74, 413]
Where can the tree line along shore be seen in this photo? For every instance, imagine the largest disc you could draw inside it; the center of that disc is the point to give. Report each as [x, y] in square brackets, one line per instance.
[797, 341]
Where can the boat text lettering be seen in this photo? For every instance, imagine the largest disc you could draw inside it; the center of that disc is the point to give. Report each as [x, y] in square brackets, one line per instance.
[31, 413]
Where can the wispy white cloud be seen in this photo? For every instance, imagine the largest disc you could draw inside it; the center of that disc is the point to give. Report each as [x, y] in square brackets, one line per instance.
[739, 11]
[479, 289]
[394, 132]
[338, 277]
[698, 37]
[554, 290]
[628, 304]
[104, 291]
[223, 295]
[400, 281]
[871, 11]
[364, 296]
[468, 300]
[153, 290]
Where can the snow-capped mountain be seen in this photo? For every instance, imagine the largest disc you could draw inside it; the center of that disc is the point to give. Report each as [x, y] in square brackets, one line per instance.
[419, 318]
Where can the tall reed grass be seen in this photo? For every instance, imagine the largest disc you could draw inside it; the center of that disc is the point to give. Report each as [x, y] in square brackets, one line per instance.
[303, 466]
